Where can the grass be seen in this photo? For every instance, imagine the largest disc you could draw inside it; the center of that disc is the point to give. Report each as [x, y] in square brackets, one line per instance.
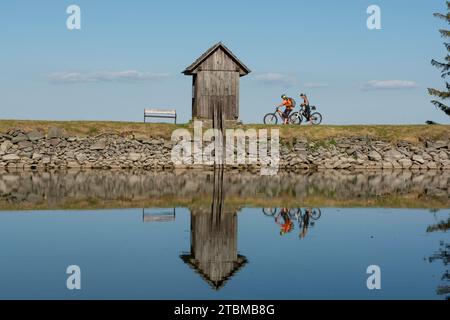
[93, 128]
[233, 203]
[390, 133]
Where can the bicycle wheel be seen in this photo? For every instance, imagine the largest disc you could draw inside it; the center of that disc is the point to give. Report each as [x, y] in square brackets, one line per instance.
[270, 212]
[316, 213]
[294, 212]
[296, 118]
[270, 118]
[316, 118]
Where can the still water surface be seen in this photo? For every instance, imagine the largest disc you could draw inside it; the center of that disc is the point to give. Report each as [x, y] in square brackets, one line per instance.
[202, 242]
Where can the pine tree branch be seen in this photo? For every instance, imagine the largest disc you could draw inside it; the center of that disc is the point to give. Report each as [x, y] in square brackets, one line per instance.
[444, 33]
[441, 106]
[437, 93]
[443, 66]
[442, 16]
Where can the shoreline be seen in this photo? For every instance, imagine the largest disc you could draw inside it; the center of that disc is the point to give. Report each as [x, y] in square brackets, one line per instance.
[108, 189]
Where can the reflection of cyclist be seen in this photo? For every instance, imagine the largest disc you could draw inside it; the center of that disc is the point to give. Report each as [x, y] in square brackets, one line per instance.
[305, 223]
[289, 103]
[287, 225]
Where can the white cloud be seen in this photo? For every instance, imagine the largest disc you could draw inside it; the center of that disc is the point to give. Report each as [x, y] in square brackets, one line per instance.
[105, 76]
[278, 79]
[390, 85]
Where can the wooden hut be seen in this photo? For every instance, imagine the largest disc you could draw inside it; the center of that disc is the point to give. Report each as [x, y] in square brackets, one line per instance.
[215, 83]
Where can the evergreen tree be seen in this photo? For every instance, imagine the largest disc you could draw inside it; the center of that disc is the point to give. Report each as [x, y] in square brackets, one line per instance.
[444, 67]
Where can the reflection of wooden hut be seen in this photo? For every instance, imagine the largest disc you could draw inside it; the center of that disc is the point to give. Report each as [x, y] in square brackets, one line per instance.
[215, 83]
[214, 248]
[214, 253]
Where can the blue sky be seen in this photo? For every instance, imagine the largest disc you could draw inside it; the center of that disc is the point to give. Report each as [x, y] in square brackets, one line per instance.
[129, 55]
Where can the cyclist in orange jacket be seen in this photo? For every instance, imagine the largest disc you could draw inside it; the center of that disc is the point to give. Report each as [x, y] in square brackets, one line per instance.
[289, 104]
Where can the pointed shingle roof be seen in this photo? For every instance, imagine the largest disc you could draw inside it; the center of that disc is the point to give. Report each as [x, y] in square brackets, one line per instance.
[209, 52]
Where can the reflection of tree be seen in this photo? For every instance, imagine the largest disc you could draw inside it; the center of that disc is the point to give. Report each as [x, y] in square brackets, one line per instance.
[441, 226]
[214, 253]
[442, 255]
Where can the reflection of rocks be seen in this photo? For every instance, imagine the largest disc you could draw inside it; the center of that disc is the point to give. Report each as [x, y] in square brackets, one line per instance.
[111, 151]
[54, 189]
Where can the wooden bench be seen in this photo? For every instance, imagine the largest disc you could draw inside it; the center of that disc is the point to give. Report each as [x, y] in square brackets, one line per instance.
[160, 113]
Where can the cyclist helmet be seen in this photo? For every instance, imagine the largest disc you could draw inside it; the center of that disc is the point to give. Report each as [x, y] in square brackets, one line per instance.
[302, 94]
[283, 96]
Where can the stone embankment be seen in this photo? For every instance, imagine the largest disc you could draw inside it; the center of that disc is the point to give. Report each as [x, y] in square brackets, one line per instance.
[36, 150]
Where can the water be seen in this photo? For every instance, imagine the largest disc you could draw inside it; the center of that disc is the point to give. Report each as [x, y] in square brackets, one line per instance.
[206, 235]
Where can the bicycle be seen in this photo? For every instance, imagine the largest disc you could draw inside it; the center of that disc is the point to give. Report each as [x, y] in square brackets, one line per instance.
[273, 118]
[297, 213]
[294, 213]
[297, 117]
[270, 212]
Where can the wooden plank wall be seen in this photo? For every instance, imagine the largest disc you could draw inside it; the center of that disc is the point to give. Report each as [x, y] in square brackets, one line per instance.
[217, 84]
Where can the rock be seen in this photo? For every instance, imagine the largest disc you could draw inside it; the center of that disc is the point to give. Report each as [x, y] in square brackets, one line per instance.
[432, 165]
[36, 156]
[445, 164]
[437, 144]
[20, 137]
[443, 155]
[55, 133]
[374, 165]
[54, 142]
[156, 142]
[396, 165]
[81, 157]
[5, 146]
[11, 158]
[427, 156]
[374, 156]
[405, 163]
[72, 139]
[5, 136]
[387, 165]
[351, 151]
[46, 160]
[35, 135]
[73, 164]
[24, 144]
[393, 155]
[134, 156]
[99, 145]
[418, 159]
[70, 154]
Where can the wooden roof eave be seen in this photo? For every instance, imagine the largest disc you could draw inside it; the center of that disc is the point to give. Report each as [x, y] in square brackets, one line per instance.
[193, 68]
